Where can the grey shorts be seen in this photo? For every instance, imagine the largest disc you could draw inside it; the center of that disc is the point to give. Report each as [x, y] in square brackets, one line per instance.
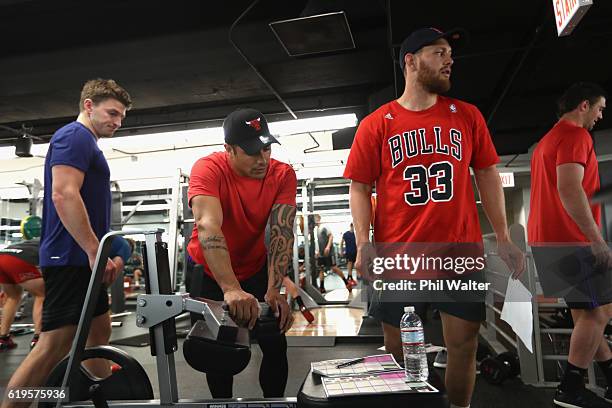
[569, 272]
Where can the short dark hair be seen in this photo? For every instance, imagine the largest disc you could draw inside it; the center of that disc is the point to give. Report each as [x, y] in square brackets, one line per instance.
[100, 89]
[578, 93]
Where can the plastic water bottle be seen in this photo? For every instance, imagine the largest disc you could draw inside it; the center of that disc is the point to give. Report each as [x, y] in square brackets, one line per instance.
[413, 344]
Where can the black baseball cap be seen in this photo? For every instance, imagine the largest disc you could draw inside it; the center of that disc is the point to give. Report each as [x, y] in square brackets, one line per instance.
[425, 36]
[247, 128]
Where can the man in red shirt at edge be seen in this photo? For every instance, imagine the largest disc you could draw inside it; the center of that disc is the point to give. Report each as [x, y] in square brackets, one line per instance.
[572, 259]
[234, 194]
[418, 150]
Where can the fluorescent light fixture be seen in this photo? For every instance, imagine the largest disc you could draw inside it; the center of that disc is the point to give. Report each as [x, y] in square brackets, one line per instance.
[202, 136]
[215, 135]
[293, 135]
[161, 140]
[318, 124]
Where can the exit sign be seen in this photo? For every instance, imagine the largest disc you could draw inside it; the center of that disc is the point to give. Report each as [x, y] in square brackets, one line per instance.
[568, 14]
[507, 179]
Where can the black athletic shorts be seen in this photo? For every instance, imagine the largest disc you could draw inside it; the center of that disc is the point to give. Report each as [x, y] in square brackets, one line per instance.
[351, 257]
[392, 312]
[326, 261]
[65, 290]
[569, 272]
[388, 306]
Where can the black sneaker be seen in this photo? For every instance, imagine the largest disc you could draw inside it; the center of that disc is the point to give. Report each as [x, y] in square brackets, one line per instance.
[580, 399]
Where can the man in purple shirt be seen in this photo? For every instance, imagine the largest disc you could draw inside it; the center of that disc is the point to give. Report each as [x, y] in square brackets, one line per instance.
[76, 214]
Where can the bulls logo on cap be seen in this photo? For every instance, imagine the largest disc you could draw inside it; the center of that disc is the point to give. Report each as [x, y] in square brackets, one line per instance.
[251, 138]
[255, 124]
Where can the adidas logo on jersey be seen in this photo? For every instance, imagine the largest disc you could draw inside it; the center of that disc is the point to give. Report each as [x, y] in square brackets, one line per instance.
[453, 108]
[388, 116]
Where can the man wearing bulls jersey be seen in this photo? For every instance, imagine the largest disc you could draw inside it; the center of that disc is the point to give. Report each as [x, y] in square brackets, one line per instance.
[418, 150]
[564, 230]
[234, 194]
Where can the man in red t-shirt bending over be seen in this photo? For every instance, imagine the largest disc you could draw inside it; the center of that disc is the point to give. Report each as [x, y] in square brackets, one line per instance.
[234, 194]
[572, 259]
[418, 150]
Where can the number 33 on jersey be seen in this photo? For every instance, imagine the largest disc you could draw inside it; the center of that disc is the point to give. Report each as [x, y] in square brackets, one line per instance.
[420, 163]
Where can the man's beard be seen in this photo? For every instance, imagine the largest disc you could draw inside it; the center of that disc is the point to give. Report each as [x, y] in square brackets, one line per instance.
[104, 134]
[432, 82]
[101, 129]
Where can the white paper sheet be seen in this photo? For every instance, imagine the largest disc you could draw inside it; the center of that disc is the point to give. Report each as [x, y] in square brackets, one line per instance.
[518, 311]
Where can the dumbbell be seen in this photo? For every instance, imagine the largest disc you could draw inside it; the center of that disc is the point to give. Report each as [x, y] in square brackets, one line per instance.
[267, 323]
[500, 368]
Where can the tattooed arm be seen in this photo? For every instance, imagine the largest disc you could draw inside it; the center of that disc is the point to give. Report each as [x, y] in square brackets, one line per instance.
[208, 216]
[280, 254]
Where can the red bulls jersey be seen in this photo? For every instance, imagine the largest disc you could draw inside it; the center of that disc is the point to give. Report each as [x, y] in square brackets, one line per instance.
[420, 162]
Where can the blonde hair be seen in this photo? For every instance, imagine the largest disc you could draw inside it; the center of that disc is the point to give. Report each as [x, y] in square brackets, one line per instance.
[99, 90]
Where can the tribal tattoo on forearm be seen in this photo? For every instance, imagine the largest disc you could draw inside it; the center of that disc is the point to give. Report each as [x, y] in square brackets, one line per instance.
[280, 252]
[213, 242]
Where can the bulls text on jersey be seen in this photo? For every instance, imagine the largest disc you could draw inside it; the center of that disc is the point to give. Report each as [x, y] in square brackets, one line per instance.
[432, 183]
[414, 142]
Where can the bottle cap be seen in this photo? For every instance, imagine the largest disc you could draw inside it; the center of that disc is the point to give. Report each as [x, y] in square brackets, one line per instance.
[408, 309]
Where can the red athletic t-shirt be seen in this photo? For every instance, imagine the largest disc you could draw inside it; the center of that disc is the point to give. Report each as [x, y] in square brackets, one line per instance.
[420, 162]
[548, 220]
[246, 204]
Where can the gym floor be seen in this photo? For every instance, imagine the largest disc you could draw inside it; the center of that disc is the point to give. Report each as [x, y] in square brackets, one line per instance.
[512, 393]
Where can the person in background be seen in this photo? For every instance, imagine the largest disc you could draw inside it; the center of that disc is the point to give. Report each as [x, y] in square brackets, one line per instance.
[19, 271]
[564, 230]
[326, 256]
[349, 248]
